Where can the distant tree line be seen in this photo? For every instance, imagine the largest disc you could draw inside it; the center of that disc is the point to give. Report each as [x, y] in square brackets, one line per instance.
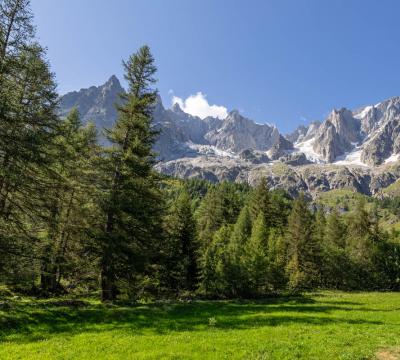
[77, 217]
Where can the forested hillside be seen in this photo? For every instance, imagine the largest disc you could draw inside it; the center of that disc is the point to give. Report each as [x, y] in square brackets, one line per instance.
[80, 218]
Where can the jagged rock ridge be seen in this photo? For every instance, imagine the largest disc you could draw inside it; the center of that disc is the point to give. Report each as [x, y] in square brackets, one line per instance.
[348, 145]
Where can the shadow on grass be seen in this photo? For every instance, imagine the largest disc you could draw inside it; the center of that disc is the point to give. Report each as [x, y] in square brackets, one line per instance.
[33, 321]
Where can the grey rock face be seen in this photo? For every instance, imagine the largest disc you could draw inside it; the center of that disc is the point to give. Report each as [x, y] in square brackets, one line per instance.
[181, 134]
[304, 133]
[295, 159]
[96, 103]
[309, 178]
[347, 127]
[192, 126]
[372, 117]
[312, 130]
[253, 157]
[280, 148]
[337, 134]
[176, 131]
[328, 143]
[380, 124]
[238, 149]
[385, 143]
[237, 133]
[298, 134]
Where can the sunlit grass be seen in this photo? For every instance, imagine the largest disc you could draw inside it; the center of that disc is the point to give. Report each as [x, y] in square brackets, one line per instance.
[328, 325]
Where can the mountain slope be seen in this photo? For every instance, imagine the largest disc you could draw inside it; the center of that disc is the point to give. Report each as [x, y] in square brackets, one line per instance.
[349, 149]
[96, 103]
[369, 136]
[181, 134]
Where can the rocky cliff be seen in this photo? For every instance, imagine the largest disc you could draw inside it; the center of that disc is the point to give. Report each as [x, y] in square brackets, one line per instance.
[352, 149]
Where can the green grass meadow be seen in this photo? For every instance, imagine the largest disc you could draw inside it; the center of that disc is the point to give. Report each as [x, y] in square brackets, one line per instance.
[326, 325]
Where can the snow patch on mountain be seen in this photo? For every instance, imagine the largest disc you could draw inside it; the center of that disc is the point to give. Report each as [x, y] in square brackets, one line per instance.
[350, 158]
[392, 158]
[363, 113]
[306, 147]
[211, 150]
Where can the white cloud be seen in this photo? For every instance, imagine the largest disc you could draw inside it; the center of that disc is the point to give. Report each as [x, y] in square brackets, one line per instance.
[198, 105]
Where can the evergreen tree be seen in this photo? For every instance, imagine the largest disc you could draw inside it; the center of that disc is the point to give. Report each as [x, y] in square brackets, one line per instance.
[275, 205]
[256, 259]
[28, 129]
[132, 204]
[276, 259]
[182, 245]
[16, 32]
[213, 264]
[336, 270]
[359, 229]
[220, 206]
[235, 271]
[241, 230]
[387, 262]
[335, 230]
[210, 216]
[280, 206]
[361, 244]
[260, 202]
[319, 226]
[68, 202]
[303, 250]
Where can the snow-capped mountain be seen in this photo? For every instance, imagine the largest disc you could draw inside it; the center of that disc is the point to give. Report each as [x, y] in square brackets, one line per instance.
[181, 134]
[366, 137]
[348, 149]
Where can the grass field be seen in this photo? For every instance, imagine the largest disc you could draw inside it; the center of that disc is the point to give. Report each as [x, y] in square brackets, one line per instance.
[327, 325]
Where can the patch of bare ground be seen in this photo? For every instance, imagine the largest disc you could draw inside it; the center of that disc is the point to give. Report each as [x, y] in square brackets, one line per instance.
[388, 354]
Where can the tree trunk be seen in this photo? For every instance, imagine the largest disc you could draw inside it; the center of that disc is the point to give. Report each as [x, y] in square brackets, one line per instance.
[48, 278]
[108, 288]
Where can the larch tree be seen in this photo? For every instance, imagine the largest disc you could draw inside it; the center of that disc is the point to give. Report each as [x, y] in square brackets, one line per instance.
[235, 272]
[221, 205]
[260, 202]
[69, 201]
[28, 127]
[302, 248]
[132, 201]
[335, 269]
[256, 257]
[213, 264]
[181, 245]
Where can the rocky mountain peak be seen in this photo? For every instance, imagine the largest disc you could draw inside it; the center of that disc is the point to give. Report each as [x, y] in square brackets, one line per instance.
[303, 133]
[237, 133]
[337, 135]
[234, 114]
[345, 124]
[176, 108]
[298, 134]
[238, 148]
[113, 81]
[96, 103]
[280, 148]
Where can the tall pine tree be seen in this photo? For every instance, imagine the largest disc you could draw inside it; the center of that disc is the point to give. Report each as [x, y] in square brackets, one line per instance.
[256, 257]
[303, 250]
[132, 204]
[28, 128]
[181, 245]
[69, 203]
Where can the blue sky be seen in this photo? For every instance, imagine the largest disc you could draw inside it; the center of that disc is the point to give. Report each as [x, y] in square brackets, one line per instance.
[277, 61]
